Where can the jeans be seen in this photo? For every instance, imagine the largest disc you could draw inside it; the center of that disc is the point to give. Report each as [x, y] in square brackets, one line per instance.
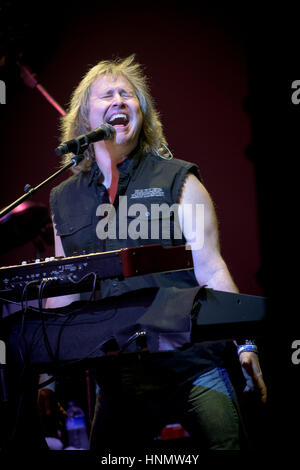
[212, 413]
[205, 407]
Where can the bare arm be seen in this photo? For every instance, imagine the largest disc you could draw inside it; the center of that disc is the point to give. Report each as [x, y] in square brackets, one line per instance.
[209, 266]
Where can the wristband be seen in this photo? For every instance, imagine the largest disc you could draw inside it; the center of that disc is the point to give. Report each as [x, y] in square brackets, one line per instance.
[247, 348]
[243, 342]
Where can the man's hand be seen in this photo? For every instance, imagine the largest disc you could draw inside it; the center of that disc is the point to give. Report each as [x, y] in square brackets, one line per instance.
[253, 374]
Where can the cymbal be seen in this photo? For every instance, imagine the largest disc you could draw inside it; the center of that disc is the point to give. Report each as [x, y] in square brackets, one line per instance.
[23, 224]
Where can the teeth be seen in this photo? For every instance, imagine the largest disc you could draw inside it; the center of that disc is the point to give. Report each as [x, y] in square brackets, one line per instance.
[119, 115]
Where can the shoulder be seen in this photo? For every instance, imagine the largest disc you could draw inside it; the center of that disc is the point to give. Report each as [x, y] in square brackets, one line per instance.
[175, 165]
[194, 194]
[171, 162]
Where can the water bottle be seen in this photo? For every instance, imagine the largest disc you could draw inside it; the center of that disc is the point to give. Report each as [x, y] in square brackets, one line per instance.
[76, 427]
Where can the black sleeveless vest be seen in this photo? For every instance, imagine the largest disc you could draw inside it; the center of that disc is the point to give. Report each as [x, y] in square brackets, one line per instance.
[146, 182]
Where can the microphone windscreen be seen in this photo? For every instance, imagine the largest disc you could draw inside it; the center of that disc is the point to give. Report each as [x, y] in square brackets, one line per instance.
[105, 132]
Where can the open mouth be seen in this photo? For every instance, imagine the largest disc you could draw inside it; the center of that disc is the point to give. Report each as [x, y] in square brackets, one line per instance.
[118, 119]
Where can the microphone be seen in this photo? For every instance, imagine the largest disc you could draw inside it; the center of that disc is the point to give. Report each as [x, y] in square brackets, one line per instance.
[81, 143]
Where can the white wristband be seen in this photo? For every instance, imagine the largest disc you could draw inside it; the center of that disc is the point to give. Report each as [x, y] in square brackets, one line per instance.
[247, 348]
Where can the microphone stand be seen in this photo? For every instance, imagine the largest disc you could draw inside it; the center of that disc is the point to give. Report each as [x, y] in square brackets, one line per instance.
[30, 191]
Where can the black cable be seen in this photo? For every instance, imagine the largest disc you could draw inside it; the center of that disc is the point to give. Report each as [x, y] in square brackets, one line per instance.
[55, 356]
[25, 293]
[54, 311]
[36, 309]
[43, 312]
[74, 312]
[134, 337]
[22, 373]
[40, 301]
[84, 277]
[24, 297]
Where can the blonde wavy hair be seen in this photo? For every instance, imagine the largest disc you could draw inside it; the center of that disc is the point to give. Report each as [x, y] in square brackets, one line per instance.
[76, 121]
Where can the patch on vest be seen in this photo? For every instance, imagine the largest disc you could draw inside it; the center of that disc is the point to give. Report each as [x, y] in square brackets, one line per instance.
[149, 192]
